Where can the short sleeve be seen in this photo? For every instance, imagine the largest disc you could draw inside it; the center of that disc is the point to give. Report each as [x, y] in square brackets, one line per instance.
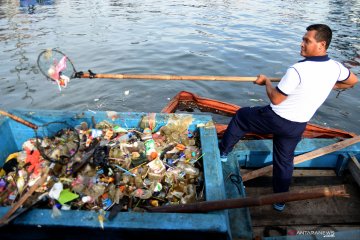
[344, 72]
[289, 81]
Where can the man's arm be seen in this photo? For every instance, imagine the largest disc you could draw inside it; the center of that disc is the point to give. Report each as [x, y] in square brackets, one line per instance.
[348, 83]
[274, 95]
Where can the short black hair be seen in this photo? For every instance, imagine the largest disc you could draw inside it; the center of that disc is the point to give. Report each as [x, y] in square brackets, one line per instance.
[323, 33]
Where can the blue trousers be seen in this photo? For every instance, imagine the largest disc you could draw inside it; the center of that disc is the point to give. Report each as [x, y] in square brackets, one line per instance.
[263, 120]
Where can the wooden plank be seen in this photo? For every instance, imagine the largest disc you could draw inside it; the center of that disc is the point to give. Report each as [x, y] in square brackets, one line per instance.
[240, 221]
[309, 212]
[275, 220]
[302, 173]
[305, 157]
[354, 168]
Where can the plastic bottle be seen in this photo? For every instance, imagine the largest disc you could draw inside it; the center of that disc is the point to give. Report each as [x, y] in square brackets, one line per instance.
[106, 201]
[109, 134]
[184, 139]
[147, 134]
[165, 130]
[156, 170]
[175, 136]
[55, 213]
[118, 195]
[87, 199]
[190, 194]
[126, 137]
[20, 182]
[115, 152]
[188, 154]
[138, 181]
[142, 193]
[149, 148]
[56, 190]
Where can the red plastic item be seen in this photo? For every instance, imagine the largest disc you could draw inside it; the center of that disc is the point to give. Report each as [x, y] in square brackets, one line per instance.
[33, 157]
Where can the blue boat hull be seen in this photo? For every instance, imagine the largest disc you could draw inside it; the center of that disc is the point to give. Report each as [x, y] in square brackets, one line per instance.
[226, 224]
[38, 223]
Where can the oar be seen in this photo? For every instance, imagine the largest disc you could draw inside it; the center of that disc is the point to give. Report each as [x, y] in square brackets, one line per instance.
[56, 66]
[304, 157]
[207, 206]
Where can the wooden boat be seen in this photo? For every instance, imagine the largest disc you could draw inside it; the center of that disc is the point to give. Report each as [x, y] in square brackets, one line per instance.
[308, 220]
[190, 101]
[222, 181]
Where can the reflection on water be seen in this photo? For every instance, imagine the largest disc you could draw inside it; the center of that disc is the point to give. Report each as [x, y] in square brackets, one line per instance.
[29, 6]
[187, 37]
[27, 3]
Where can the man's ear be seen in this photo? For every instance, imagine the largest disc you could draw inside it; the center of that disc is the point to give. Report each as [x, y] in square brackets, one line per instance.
[322, 45]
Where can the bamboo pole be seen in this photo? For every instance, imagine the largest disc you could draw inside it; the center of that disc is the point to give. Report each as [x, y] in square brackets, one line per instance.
[18, 119]
[174, 77]
[304, 157]
[207, 206]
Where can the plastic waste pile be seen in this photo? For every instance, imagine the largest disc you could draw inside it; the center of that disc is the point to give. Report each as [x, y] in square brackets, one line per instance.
[115, 169]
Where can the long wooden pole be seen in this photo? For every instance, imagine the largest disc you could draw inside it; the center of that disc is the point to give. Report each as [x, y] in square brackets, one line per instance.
[174, 77]
[18, 119]
[207, 206]
[304, 157]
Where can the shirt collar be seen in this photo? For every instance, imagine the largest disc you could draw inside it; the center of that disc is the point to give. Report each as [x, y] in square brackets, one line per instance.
[316, 58]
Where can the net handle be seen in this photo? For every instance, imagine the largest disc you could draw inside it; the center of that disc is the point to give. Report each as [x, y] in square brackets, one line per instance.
[19, 120]
[171, 77]
[90, 74]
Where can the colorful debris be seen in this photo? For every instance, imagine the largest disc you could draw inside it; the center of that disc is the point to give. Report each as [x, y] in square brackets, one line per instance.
[114, 166]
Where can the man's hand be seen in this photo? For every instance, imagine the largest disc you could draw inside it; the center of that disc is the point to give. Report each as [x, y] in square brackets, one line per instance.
[274, 95]
[261, 80]
[348, 83]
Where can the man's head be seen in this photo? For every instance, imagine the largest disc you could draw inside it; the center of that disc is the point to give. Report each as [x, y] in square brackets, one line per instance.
[316, 40]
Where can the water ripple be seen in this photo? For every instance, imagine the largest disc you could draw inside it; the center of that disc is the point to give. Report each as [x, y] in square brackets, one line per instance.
[187, 37]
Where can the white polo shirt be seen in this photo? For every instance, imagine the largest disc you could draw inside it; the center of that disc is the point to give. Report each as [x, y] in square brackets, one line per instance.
[307, 85]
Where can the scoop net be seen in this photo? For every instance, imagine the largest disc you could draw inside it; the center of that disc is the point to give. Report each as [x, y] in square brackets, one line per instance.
[57, 142]
[56, 66]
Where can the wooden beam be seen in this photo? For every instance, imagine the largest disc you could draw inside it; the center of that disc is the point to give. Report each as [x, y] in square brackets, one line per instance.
[305, 157]
[354, 168]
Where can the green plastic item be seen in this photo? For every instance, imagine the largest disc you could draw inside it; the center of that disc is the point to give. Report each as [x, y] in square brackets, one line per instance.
[67, 196]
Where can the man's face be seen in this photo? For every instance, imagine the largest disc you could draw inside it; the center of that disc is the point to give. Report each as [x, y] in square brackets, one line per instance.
[310, 47]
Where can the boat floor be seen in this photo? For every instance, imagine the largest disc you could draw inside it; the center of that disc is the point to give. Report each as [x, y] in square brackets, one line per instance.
[324, 214]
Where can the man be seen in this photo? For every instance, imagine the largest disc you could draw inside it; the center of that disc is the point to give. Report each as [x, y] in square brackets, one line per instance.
[301, 91]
